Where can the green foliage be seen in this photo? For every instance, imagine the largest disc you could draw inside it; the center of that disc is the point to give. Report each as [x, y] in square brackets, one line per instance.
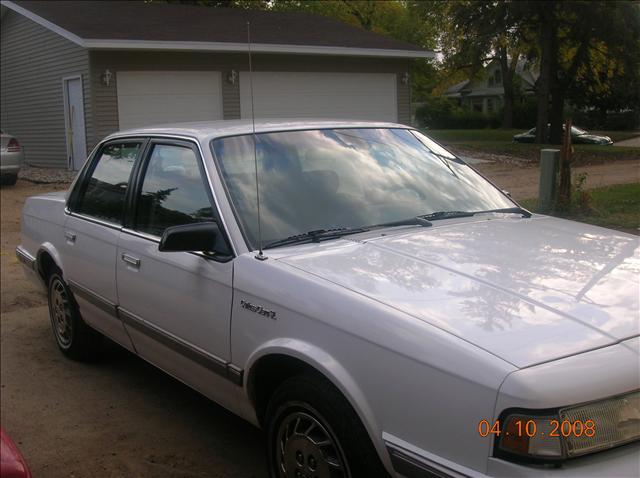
[525, 113]
[616, 207]
[610, 120]
[440, 112]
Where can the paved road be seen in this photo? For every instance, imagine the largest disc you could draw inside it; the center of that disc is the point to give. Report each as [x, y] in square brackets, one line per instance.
[633, 142]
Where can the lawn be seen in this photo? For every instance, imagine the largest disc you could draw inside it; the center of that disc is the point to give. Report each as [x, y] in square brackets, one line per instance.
[473, 135]
[616, 207]
[499, 141]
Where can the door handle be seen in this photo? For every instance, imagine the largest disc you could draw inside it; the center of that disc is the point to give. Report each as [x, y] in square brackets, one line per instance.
[70, 237]
[132, 261]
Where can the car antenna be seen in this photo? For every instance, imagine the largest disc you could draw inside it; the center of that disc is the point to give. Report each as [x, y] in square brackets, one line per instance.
[260, 256]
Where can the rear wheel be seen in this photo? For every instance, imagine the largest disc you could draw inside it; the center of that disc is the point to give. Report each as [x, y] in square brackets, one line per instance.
[74, 337]
[313, 432]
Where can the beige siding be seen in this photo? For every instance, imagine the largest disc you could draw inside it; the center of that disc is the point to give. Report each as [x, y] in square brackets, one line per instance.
[105, 104]
[33, 61]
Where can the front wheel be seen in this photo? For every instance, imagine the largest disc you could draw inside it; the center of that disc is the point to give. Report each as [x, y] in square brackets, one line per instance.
[75, 339]
[313, 432]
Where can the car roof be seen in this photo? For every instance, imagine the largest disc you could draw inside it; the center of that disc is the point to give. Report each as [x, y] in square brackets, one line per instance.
[207, 130]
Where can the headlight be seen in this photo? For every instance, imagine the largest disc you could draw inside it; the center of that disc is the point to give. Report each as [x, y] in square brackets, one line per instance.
[569, 432]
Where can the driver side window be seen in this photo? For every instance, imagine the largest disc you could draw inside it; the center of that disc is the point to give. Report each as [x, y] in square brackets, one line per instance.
[103, 193]
[173, 191]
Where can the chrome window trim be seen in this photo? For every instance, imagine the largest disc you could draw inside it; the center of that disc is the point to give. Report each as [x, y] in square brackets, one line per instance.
[110, 225]
[156, 239]
[142, 235]
[191, 139]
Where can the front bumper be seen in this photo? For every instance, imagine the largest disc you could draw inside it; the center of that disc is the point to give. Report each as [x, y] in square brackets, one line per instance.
[620, 463]
[410, 462]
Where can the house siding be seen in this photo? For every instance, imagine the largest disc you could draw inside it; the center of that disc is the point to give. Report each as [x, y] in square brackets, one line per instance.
[105, 104]
[33, 61]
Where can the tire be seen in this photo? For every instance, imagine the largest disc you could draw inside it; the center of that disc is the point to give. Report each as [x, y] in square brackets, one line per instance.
[9, 179]
[306, 410]
[74, 337]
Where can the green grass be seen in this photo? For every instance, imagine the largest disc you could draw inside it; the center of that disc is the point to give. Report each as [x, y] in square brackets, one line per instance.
[616, 207]
[500, 141]
[583, 153]
[451, 136]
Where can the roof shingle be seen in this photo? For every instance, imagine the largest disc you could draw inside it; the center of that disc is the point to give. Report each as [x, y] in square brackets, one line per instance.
[136, 20]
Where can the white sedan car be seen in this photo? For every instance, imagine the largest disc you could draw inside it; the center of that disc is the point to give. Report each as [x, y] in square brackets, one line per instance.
[363, 295]
[11, 158]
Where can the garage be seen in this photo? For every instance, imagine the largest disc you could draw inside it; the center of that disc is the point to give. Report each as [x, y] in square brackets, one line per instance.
[366, 96]
[155, 97]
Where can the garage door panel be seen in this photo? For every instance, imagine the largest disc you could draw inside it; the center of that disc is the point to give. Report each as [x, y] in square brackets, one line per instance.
[146, 98]
[370, 96]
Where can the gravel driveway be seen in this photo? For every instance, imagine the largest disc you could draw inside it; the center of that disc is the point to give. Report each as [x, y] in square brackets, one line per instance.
[121, 416]
[118, 418]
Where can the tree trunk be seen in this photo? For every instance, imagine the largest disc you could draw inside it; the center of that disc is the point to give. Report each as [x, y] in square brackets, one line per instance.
[507, 84]
[548, 33]
[556, 119]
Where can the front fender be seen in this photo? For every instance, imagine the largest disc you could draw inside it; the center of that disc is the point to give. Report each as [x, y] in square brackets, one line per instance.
[330, 368]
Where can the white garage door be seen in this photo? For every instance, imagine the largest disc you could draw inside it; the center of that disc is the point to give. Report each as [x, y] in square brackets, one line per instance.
[368, 96]
[154, 97]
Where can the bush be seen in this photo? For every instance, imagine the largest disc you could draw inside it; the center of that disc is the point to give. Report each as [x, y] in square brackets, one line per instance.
[525, 113]
[439, 112]
[611, 120]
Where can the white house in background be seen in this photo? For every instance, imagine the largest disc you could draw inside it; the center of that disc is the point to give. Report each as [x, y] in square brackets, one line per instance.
[486, 93]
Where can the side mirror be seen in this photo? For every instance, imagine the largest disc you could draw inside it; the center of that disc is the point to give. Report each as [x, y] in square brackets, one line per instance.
[202, 236]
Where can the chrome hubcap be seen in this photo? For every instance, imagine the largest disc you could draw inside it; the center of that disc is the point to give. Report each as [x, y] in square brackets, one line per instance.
[306, 449]
[60, 313]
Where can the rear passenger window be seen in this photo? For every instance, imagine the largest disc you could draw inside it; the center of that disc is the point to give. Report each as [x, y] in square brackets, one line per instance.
[102, 196]
[173, 191]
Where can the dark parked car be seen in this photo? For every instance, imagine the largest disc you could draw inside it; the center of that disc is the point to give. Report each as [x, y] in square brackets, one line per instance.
[578, 136]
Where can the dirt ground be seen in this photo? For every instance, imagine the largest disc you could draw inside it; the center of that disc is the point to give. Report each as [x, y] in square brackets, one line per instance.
[117, 418]
[522, 181]
[121, 417]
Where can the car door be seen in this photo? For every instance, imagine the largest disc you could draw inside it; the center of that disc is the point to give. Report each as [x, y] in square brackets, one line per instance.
[176, 306]
[91, 230]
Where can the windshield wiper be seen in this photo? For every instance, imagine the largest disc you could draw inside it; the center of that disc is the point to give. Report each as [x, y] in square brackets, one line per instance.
[451, 214]
[425, 219]
[507, 210]
[412, 221]
[446, 215]
[316, 235]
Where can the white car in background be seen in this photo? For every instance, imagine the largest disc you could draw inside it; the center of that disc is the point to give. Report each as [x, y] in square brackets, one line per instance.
[11, 158]
[384, 310]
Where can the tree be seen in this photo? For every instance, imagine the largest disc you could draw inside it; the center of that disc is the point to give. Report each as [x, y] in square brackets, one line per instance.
[598, 54]
[583, 49]
[477, 32]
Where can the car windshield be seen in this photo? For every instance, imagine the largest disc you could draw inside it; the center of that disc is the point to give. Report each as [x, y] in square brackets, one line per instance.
[577, 131]
[344, 178]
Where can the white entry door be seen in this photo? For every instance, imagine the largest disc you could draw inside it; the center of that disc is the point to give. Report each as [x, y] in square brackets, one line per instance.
[366, 96]
[155, 97]
[74, 122]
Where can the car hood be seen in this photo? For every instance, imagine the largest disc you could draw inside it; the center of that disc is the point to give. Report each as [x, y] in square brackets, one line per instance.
[526, 290]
